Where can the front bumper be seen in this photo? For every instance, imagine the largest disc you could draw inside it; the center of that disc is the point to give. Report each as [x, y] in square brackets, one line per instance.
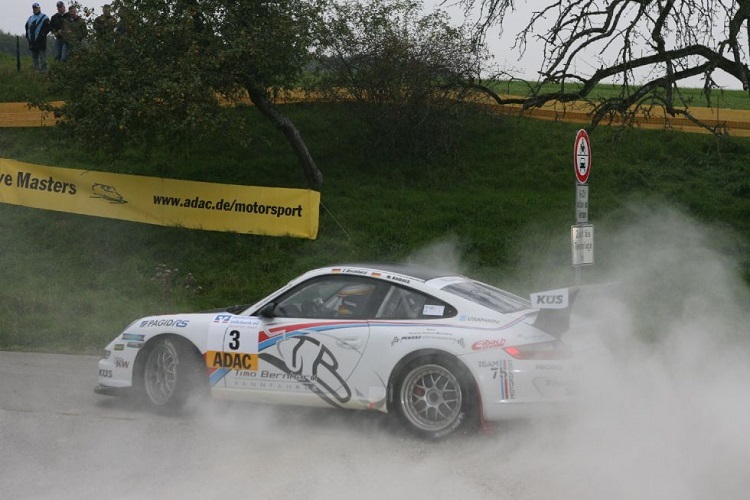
[107, 390]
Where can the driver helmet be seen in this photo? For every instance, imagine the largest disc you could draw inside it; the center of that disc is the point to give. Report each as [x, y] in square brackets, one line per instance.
[353, 297]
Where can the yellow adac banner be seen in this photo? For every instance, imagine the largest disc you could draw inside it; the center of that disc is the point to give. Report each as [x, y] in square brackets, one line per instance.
[165, 202]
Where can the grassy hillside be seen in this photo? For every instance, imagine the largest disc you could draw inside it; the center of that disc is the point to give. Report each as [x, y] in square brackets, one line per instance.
[502, 212]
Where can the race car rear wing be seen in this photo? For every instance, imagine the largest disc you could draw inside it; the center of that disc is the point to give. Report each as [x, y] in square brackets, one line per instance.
[557, 306]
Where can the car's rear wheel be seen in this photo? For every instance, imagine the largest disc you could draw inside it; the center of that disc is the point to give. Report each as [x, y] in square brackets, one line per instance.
[172, 373]
[433, 398]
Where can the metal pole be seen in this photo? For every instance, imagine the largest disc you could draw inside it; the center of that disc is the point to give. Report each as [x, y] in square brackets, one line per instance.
[18, 53]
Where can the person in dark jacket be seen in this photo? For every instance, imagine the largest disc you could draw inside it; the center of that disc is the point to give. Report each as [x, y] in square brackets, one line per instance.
[73, 32]
[105, 24]
[37, 28]
[56, 24]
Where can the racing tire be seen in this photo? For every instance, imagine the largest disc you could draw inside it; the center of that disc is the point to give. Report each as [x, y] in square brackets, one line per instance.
[172, 375]
[434, 397]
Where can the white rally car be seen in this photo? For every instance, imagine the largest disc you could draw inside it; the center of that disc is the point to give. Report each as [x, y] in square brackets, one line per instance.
[441, 351]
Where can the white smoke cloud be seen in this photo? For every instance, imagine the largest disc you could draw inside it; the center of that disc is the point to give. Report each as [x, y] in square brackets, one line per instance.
[666, 415]
[663, 416]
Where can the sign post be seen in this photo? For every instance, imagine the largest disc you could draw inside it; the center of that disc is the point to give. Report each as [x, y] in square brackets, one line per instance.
[582, 233]
[582, 157]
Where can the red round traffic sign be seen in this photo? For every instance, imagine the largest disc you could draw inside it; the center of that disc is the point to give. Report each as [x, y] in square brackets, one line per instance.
[582, 156]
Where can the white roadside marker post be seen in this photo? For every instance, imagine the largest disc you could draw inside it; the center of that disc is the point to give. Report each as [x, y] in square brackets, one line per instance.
[582, 232]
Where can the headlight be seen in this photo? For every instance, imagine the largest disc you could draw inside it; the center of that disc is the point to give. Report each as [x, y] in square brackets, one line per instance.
[106, 354]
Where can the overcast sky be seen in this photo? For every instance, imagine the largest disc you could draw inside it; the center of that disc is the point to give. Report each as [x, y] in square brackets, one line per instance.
[16, 13]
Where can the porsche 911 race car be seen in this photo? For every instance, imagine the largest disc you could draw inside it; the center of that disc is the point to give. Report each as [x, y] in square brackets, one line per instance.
[441, 351]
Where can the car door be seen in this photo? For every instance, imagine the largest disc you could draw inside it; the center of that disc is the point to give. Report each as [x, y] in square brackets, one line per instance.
[311, 340]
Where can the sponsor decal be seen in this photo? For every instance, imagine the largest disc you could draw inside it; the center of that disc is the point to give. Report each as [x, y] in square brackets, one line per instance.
[119, 347]
[222, 318]
[400, 279]
[105, 373]
[362, 272]
[231, 319]
[132, 336]
[121, 363]
[476, 319]
[314, 365]
[251, 323]
[548, 367]
[268, 385]
[434, 336]
[396, 340]
[269, 375]
[232, 360]
[347, 270]
[158, 323]
[552, 299]
[135, 345]
[487, 344]
[502, 371]
[507, 386]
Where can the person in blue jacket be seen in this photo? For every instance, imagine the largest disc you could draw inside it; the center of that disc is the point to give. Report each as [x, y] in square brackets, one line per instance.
[37, 28]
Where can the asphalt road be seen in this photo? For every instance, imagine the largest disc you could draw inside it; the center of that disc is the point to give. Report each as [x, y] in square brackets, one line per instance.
[59, 440]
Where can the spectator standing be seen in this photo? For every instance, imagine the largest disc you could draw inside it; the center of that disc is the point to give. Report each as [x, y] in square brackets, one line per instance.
[105, 24]
[73, 32]
[37, 28]
[56, 25]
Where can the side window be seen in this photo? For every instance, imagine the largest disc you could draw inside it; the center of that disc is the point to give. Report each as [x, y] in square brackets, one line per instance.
[402, 303]
[331, 297]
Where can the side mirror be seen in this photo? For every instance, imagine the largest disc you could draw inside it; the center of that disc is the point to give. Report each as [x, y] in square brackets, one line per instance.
[267, 310]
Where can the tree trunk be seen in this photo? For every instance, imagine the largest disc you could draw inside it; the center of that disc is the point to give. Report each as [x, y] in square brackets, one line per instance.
[259, 97]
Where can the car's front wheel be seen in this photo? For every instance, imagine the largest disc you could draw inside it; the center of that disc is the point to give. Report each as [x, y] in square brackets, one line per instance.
[171, 372]
[433, 398]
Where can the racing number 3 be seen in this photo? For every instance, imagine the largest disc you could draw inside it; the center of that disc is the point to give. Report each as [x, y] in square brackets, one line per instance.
[234, 356]
[234, 343]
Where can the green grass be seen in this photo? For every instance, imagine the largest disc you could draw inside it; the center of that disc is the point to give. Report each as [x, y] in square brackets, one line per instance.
[23, 85]
[503, 209]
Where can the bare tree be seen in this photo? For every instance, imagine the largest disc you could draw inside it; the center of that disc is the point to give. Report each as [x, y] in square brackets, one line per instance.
[647, 48]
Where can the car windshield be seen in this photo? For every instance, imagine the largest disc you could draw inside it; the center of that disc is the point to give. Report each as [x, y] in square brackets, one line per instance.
[488, 296]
